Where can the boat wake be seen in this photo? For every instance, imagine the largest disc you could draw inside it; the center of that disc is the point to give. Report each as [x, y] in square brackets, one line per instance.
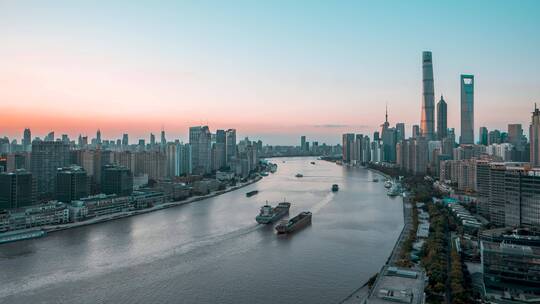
[64, 275]
[318, 206]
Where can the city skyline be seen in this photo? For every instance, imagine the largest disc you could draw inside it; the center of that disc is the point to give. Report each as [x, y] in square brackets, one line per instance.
[113, 80]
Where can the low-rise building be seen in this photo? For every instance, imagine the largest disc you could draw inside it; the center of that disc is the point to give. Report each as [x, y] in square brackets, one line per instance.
[511, 265]
[398, 285]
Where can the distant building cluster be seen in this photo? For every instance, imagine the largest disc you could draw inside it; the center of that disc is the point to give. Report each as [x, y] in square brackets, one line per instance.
[99, 177]
[57, 180]
[499, 174]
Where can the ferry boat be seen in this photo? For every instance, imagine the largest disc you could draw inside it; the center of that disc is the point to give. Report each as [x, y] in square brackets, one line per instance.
[268, 214]
[296, 223]
[252, 193]
[299, 175]
[14, 236]
[335, 187]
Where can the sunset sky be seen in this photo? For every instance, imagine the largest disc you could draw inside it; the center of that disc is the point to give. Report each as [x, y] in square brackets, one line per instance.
[273, 70]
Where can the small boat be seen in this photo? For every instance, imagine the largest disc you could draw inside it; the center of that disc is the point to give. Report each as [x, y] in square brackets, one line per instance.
[252, 193]
[375, 180]
[264, 173]
[296, 223]
[388, 184]
[313, 163]
[299, 175]
[394, 191]
[335, 187]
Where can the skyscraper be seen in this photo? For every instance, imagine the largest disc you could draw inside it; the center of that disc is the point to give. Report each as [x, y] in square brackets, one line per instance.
[534, 133]
[184, 159]
[50, 136]
[219, 150]
[302, 143]
[348, 147]
[442, 118]
[389, 138]
[125, 140]
[152, 140]
[200, 141]
[27, 139]
[467, 109]
[427, 124]
[400, 129]
[415, 131]
[163, 139]
[483, 136]
[515, 134]
[230, 146]
[98, 136]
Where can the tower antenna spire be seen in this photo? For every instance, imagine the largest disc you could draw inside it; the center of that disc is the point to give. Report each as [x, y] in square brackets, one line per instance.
[386, 114]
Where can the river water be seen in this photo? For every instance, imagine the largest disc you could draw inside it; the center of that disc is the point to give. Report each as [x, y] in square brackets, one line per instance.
[213, 251]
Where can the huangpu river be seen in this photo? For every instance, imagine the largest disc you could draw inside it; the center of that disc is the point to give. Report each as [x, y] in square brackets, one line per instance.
[213, 251]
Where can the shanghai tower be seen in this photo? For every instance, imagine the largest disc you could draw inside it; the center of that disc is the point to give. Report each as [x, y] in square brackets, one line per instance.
[427, 124]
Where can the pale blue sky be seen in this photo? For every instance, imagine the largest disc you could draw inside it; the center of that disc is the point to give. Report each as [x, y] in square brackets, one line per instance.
[270, 68]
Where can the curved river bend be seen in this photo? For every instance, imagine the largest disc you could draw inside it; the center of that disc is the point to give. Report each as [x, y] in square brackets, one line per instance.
[213, 251]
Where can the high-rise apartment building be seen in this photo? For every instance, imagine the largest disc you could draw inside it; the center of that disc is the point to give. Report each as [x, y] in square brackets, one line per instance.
[467, 109]
[347, 144]
[47, 157]
[508, 193]
[442, 118]
[230, 146]
[412, 155]
[153, 163]
[173, 162]
[184, 159]
[117, 180]
[71, 184]
[17, 189]
[200, 141]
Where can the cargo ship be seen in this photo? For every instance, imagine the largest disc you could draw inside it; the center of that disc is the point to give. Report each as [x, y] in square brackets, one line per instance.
[335, 187]
[252, 193]
[296, 223]
[268, 214]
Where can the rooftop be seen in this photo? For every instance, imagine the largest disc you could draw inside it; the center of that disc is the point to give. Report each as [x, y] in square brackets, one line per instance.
[398, 285]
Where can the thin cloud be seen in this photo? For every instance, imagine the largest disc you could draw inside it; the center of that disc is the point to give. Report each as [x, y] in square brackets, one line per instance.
[339, 126]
